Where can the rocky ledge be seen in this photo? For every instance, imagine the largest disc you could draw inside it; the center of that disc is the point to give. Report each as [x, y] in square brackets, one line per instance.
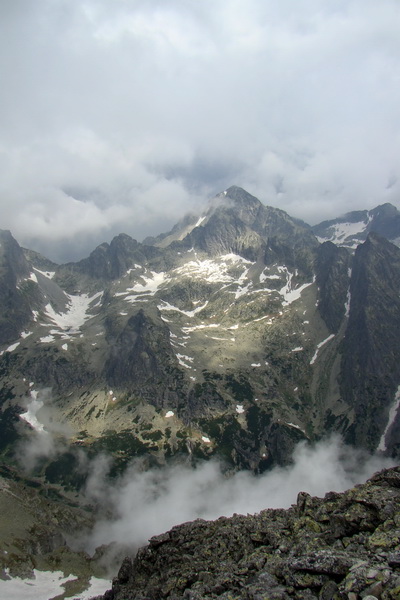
[344, 546]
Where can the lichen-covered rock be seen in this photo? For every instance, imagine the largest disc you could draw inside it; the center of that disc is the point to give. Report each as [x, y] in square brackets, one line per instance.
[342, 547]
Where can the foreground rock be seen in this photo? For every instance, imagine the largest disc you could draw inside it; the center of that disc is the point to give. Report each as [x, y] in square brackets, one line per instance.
[344, 546]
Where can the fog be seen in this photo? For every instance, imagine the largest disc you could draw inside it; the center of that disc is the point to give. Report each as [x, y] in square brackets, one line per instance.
[141, 504]
[47, 435]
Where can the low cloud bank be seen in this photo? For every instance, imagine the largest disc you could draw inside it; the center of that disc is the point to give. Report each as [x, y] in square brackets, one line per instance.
[146, 503]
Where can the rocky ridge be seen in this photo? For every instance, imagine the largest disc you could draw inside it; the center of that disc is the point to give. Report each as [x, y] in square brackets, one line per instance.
[342, 547]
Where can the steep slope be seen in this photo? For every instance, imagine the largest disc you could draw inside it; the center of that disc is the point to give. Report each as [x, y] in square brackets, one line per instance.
[371, 353]
[237, 334]
[17, 290]
[352, 229]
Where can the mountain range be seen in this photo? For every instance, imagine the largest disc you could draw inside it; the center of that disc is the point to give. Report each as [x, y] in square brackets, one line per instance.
[237, 334]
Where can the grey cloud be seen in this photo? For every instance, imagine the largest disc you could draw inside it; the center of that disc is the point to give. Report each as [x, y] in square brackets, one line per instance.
[146, 110]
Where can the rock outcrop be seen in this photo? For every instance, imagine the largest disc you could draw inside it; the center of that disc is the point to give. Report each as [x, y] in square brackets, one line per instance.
[344, 546]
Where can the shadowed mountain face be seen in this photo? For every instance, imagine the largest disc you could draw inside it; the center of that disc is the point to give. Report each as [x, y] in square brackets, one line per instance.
[236, 334]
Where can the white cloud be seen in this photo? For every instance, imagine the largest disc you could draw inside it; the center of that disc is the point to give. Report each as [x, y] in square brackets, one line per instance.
[146, 503]
[127, 107]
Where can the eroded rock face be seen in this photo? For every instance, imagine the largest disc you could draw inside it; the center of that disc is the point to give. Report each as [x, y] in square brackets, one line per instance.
[344, 546]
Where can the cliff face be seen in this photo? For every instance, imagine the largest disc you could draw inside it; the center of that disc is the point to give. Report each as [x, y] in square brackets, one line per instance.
[17, 291]
[371, 354]
[344, 546]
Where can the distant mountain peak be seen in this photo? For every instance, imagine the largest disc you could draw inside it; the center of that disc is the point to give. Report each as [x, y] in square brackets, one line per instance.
[237, 193]
[352, 229]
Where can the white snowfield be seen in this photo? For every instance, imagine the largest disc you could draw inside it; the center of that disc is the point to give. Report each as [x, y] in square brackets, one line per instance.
[76, 314]
[47, 585]
[340, 232]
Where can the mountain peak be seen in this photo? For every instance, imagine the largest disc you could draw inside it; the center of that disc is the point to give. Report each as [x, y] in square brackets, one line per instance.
[239, 196]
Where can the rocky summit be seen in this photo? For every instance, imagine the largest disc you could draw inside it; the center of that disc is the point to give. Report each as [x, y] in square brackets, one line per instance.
[344, 546]
[237, 334]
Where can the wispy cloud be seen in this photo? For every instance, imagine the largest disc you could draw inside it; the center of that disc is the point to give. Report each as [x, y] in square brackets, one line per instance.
[46, 436]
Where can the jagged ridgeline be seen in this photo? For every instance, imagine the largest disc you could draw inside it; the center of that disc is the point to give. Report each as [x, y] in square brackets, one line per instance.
[237, 335]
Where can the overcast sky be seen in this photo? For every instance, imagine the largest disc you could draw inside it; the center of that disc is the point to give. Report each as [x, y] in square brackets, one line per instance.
[123, 115]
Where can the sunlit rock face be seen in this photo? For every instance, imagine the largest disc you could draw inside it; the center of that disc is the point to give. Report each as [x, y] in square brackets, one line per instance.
[237, 334]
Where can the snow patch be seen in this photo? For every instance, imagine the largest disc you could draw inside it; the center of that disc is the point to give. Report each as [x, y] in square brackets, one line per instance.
[290, 293]
[47, 339]
[199, 222]
[347, 303]
[48, 274]
[169, 414]
[239, 409]
[392, 416]
[188, 313]
[47, 584]
[214, 271]
[12, 347]
[206, 439]
[182, 358]
[296, 427]
[76, 314]
[314, 358]
[202, 326]
[147, 287]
